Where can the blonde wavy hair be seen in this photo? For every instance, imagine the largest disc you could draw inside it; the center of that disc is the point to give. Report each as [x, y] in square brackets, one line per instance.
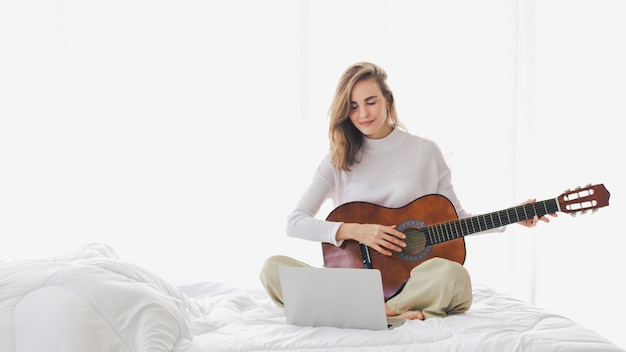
[346, 140]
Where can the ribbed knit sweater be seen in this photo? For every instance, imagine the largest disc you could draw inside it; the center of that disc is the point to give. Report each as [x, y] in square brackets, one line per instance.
[392, 172]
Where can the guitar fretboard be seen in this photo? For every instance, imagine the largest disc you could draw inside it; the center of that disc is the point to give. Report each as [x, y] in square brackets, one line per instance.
[456, 229]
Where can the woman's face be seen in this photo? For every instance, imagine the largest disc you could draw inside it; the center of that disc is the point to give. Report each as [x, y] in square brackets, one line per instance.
[368, 109]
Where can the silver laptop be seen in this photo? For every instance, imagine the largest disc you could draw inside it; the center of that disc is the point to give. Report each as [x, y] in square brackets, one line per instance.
[338, 297]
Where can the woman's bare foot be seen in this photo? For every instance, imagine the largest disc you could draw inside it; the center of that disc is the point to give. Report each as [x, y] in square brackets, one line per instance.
[409, 314]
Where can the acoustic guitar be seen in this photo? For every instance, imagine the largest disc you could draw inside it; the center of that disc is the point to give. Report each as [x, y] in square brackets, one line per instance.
[433, 229]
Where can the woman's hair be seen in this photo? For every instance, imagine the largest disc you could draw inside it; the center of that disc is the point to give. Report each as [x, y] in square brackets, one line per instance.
[345, 139]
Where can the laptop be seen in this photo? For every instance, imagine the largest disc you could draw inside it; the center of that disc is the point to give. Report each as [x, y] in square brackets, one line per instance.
[336, 297]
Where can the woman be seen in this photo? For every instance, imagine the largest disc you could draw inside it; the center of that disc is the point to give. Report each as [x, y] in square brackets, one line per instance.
[374, 159]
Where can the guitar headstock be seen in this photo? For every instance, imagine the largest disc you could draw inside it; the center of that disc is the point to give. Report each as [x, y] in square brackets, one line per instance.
[583, 199]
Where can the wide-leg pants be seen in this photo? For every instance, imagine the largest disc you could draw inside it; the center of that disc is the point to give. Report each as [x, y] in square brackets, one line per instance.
[437, 287]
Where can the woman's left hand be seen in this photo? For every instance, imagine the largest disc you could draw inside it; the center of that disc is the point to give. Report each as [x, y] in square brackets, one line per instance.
[533, 222]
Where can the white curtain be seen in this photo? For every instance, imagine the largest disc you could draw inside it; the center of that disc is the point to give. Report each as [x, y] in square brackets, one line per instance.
[182, 133]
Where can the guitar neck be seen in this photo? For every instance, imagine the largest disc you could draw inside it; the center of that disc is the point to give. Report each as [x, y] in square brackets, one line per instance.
[456, 229]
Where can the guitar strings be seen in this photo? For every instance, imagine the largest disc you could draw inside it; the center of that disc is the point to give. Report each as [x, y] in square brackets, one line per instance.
[418, 239]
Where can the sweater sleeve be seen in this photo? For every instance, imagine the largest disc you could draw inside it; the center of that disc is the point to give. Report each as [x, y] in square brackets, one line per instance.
[302, 222]
[444, 183]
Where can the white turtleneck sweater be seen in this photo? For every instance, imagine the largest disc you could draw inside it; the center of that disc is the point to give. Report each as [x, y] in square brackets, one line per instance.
[393, 172]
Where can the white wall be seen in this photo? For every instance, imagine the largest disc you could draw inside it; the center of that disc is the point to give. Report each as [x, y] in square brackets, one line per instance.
[182, 133]
[580, 91]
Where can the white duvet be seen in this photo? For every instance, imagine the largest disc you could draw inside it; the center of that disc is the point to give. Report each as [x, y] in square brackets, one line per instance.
[90, 300]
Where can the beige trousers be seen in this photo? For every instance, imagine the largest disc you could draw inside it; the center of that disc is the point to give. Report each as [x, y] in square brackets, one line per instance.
[437, 287]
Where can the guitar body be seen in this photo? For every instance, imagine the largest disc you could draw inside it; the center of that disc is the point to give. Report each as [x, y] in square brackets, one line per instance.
[395, 269]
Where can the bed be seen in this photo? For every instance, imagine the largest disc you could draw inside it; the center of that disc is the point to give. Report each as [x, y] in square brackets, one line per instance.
[91, 300]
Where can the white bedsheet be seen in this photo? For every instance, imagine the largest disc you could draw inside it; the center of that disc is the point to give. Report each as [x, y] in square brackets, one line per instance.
[90, 300]
[247, 320]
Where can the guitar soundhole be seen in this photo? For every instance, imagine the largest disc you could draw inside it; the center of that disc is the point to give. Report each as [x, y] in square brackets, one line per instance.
[416, 248]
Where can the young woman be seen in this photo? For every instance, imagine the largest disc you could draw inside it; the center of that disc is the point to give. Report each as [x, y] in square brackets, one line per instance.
[374, 159]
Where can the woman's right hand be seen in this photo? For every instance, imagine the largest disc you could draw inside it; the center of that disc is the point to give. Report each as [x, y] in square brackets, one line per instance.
[383, 239]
